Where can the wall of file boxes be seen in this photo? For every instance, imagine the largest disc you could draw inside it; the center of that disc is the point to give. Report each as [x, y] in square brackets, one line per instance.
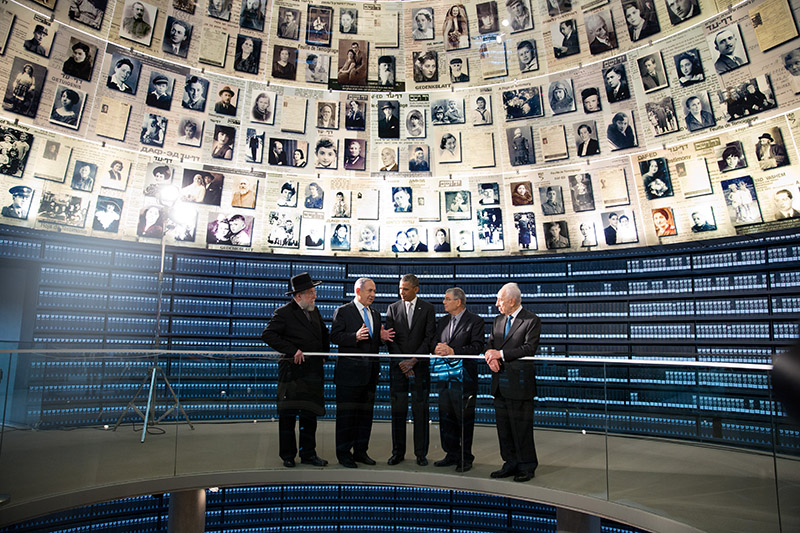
[320, 509]
[733, 300]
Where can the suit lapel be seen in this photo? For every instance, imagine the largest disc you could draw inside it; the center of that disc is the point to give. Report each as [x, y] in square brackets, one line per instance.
[301, 317]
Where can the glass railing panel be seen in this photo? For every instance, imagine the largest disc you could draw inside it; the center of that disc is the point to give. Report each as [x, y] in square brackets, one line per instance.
[696, 441]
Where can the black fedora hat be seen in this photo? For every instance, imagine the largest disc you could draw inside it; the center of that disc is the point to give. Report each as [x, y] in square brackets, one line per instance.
[301, 282]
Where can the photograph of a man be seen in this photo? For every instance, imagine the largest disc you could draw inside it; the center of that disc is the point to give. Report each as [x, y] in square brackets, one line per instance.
[388, 122]
[728, 42]
[137, 20]
[194, 93]
[177, 36]
[21, 196]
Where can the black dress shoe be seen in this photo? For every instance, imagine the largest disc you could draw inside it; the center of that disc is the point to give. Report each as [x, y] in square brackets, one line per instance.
[348, 462]
[314, 461]
[506, 471]
[524, 476]
[364, 458]
[447, 461]
[464, 467]
[395, 460]
[422, 460]
[288, 463]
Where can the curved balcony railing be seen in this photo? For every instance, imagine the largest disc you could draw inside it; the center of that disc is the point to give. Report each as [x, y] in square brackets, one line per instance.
[659, 444]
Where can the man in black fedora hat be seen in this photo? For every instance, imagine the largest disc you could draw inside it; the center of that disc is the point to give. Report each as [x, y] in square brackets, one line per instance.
[224, 106]
[295, 328]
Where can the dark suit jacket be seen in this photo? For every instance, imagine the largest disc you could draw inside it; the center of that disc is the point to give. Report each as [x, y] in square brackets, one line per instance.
[299, 386]
[516, 379]
[592, 148]
[415, 340]
[355, 371]
[467, 339]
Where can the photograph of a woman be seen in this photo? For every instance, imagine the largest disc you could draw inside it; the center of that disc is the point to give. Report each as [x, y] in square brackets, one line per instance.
[67, 107]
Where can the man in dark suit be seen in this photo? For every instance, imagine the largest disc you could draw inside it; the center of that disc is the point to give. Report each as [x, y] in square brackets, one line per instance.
[515, 334]
[458, 333]
[413, 321]
[356, 329]
[294, 328]
[388, 123]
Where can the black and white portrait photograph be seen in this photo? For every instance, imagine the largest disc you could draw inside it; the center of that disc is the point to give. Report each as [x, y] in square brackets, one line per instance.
[154, 129]
[527, 56]
[177, 36]
[426, 66]
[386, 71]
[448, 111]
[14, 150]
[24, 89]
[441, 240]
[123, 75]
[248, 55]
[586, 140]
[138, 20]
[115, 171]
[520, 17]
[40, 39]
[727, 49]
[459, 70]
[21, 197]
[450, 147]
[565, 38]
[284, 229]
[770, 149]
[551, 199]
[588, 233]
[83, 176]
[655, 178]
[224, 142]
[352, 64]
[187, 6]
[107, 214]
[520, 146]
[415, 124]
[741, 200]
[233, 229]
[263, 109]
[341, 204]
[88, 12]
[458, 205]
[317, 67]
[284, 62]
[80, 62]
[490, 228]
[652, 73]
[488, 194]
[620, 132]
[288, 23]
[288, 194]
[355, 115]
[253, 14]
[522, 103]
[556, 235]
[411, 240]
[314, 234]
[661, 116]
[219, 9]
[689, 67]
[698, 114]
[388, 159]
[254, 141]
[158, 175]
[419, 158]
[388, 119]
[355, 156]
[641, 18]
[455, 31]
[195, 93]
[159, 90]
[682, 10]
[731, 157]
[791, 63]
[703, 219]
[616, 79]
[314, 196]
[600, 32]
[64, 209]
[318, 25]
[326, 153]
[190, 131]
[747, 98]
[784, 200]
[340, 236]
[227, 101]
[402, 200]
[201, 187]
[481, 110]
[328, 115]
[619, 227]
[521, 193]
[67, 108]
[422, 24]
[561, 96]
[487, 17]
[348, 20]
[590, 98]
[581, 192]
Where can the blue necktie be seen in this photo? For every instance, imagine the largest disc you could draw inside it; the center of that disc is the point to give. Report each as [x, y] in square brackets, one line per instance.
[508, 326]
[366, 320]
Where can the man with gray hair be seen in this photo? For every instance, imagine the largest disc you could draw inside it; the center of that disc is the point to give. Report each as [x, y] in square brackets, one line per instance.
[515, 334]
[413, 321]
[356, 328]
[459, 332]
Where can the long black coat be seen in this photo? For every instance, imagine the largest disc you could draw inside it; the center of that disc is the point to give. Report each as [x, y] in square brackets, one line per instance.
[299, 386]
